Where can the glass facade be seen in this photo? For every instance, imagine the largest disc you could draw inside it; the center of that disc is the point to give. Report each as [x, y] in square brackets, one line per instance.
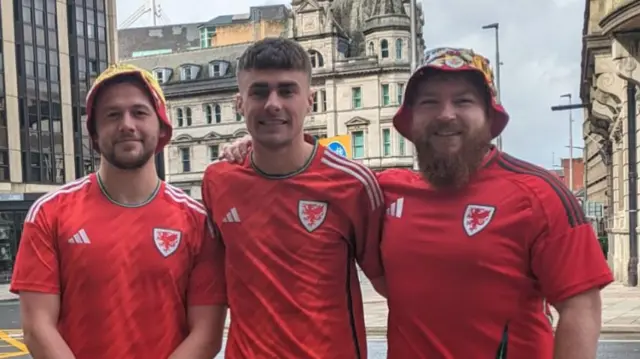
[38, 73]
[88, 57]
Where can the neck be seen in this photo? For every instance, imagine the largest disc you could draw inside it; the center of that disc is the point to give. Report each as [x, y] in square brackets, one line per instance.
[129, 187]
[284, 160]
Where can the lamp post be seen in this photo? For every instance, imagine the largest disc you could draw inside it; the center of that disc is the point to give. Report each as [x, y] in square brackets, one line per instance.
[568, 95]
[496, 27]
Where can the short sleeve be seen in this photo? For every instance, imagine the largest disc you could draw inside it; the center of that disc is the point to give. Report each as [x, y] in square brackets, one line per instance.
[566, 257]
[207, 285]
[36, 267]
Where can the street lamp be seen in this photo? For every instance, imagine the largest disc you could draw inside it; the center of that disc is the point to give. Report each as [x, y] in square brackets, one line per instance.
[571, 106]
[496, 27]
[568, 95]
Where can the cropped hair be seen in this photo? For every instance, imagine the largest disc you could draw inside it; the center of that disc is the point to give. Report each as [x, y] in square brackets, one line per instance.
[275, 53]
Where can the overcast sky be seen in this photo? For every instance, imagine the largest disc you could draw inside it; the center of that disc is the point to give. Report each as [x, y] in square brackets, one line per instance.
[540, 44]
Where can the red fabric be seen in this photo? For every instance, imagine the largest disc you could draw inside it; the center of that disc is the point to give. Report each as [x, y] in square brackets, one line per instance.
[453, 295]
[120, 296]
[294, 291]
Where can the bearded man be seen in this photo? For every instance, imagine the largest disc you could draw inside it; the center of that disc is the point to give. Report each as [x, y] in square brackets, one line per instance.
[478, 244]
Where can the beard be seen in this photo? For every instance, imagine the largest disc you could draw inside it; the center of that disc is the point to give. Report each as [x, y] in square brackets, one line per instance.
[451, 170]
[128, 162]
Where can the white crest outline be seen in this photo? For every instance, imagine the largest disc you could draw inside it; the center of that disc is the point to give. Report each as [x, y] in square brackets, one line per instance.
[159, 245]
[310, 227]
[467, 213]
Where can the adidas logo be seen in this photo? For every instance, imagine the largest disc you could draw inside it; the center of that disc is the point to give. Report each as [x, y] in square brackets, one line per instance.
[80, 238]
[232, 216]
[396, 207]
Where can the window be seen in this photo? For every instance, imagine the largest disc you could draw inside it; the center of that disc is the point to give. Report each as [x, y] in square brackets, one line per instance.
[207, 35]
[218, 68]
[180, 117]
[356, 97]
[384, 49]
[316, 59]
[400, 93]
[386, 142]
[314, 108]
[399, 49]
[214, 151]
[161, 75]
[208, 114]
[185, 157]
[217, 114]
[188, 115]
[401, 146]
[323, 99]
[187, 191]
[188, 72]
[386, 98]
[371, 49]
[357, 140]
[238, 116]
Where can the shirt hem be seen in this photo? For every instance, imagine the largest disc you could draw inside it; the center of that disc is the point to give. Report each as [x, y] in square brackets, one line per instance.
[599, 282]
[18, 287]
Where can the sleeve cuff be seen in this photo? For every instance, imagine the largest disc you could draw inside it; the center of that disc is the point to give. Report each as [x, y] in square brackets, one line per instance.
[599, 282]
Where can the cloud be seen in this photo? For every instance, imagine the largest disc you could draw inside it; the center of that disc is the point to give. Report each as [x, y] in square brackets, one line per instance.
[540, 43]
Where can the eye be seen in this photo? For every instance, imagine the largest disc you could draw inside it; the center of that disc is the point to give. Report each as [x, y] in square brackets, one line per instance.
[259, 92]
[285, 92]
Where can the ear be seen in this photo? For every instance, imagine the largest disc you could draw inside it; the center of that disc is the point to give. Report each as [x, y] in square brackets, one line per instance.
[239, 104]
[312, 97]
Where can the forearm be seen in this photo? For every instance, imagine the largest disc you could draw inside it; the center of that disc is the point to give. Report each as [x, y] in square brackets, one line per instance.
[45, 342]
[198, 345]
[577, 335]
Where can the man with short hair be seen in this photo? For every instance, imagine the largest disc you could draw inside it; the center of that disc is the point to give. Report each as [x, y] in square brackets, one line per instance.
[294, 219]
[119, 264]
[478, 242]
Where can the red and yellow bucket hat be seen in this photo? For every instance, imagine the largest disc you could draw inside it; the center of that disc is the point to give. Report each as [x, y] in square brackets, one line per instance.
[151, 85]
[452, 60]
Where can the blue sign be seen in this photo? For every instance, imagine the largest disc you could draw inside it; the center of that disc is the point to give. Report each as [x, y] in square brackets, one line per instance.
[338, 148]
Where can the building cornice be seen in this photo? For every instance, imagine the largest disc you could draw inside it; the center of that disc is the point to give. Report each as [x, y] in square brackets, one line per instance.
[619, 19]
[591, 44]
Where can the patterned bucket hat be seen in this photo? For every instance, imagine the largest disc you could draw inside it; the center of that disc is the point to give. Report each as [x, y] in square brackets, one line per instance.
[452, 60]
[151, 85]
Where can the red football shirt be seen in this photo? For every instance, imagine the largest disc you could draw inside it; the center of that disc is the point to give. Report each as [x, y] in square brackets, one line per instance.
[125, 275]
[292, 243]
[469, 273]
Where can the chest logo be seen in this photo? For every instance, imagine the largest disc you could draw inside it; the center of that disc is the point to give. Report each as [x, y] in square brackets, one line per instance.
[166, 240]
[476, 218]
[312, 214]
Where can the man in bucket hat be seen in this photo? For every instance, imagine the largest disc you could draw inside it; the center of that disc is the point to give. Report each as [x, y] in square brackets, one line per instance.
[478, 243]
[119, 264]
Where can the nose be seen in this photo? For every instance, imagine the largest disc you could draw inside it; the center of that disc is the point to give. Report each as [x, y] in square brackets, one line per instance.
[127, 122]
[447, 112]
[274, 103]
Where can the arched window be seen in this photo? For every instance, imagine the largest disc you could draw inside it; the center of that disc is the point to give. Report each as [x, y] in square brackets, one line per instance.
[316, 59]
[180, 117]
[188, 116]
[398, 49]
[372, 48]
[208, 114]
[384, 49]
[217, 113]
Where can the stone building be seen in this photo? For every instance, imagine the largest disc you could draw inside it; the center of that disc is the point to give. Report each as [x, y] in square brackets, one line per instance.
[361, 61]
[610, 76]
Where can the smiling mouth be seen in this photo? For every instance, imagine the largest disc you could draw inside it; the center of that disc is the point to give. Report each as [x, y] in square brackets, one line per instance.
[448, 133]
[272, 122]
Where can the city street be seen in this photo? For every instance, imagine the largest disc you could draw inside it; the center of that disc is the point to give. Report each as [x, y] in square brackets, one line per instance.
[11, 346]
